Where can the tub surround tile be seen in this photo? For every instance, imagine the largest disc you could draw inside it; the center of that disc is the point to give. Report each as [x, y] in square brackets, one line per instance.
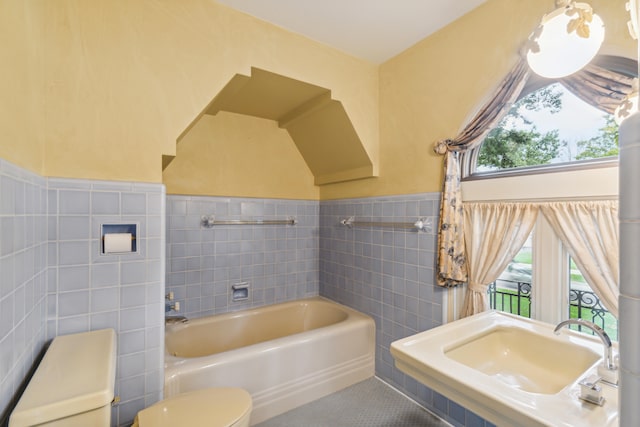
[280, 262]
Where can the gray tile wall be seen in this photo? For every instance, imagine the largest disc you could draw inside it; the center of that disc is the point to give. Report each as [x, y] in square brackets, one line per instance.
[54, 280]
[23, 287]
[88, 290]
[388, 273]
[280, 262]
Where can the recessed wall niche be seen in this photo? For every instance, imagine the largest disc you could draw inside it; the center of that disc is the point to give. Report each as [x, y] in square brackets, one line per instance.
[318, 124]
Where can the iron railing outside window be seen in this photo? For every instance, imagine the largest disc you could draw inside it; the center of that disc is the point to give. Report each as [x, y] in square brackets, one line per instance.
[515, 297]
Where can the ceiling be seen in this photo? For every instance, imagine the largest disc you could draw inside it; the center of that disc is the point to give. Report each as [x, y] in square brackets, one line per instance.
[375, 30]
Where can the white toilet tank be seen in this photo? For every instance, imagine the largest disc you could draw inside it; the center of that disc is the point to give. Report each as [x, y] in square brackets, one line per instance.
[73, 385]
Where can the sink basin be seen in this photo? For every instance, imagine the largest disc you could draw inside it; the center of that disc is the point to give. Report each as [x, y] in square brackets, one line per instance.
[524, 360]
[510, 370]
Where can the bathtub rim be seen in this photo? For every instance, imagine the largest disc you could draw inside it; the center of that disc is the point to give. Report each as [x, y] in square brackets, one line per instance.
[354, 317]
[271, 399]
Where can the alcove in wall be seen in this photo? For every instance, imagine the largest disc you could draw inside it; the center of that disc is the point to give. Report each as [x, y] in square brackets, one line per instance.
[318, 124]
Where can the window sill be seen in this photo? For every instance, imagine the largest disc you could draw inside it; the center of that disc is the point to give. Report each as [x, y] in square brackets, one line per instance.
[576, 183]
[606, 162]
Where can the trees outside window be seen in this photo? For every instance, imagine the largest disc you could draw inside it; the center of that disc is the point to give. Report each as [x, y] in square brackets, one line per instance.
[547, 126]
[604, 144]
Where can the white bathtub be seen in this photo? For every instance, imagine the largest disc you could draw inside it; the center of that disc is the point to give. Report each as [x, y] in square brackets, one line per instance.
[285, 355]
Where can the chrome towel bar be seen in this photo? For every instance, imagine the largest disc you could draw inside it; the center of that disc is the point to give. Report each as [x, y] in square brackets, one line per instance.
[422, 224]
[208, 221]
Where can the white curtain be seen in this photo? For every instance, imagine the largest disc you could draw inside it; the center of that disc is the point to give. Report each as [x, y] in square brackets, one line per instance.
[494, 233]
[589, 231]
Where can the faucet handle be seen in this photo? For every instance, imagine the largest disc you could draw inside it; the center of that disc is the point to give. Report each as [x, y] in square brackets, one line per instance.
[175, 306]
[590, 391]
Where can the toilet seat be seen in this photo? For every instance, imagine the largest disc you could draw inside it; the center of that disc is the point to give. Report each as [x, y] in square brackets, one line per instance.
[214, 407]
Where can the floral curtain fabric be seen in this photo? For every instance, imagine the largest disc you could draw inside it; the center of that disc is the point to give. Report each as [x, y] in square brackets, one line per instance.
[452, 261]
[451, 267]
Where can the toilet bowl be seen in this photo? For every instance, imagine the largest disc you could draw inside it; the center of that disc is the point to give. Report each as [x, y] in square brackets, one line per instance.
[75, 382]
[210, 407]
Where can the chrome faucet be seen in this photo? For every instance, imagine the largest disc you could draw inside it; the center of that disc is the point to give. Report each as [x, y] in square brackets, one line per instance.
[609, 374]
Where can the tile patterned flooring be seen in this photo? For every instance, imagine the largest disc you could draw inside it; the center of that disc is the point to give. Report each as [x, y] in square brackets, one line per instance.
[370, 403]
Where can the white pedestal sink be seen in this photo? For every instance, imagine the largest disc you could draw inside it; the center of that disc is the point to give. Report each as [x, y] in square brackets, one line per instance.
[510, 370]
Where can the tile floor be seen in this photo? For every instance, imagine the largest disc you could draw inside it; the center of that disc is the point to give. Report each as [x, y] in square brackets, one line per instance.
[370, 403]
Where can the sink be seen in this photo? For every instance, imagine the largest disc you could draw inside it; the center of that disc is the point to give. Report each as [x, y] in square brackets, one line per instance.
[510, 370]
[525, 360]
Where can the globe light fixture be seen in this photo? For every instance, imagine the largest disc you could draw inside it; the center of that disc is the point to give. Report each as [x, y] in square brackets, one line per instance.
[566, 40]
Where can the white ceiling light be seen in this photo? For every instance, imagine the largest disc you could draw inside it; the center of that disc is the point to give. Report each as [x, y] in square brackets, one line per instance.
[566, 40]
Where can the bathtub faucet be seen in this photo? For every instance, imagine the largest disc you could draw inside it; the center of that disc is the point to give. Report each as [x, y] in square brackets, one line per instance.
[608, 370]
[172, 320]
[172, 307]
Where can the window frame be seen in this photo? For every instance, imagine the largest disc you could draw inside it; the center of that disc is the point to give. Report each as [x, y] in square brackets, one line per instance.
[549, 304]
[468, 159]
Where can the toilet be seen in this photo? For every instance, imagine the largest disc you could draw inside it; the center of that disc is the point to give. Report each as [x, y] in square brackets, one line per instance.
[75, 382]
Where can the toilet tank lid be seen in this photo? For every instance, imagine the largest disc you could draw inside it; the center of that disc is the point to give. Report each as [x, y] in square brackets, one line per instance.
[220, 407]
[76, 374]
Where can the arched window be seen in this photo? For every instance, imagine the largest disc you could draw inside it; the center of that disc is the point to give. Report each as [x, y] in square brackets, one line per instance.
[543, 281]
[556, 124]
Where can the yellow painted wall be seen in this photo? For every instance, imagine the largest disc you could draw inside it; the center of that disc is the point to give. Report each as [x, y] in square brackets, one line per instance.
[242, 156]
[101, 89]
[21, 84]
[126, 78]
[431, 90]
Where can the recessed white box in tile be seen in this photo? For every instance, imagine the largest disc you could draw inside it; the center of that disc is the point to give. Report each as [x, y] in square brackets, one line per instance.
[119, 239]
